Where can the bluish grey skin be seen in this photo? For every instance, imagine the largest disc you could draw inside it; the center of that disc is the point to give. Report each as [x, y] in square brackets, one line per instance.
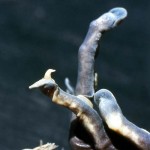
[86, 59]
[87, 116]
[88, 49]
[114, 118]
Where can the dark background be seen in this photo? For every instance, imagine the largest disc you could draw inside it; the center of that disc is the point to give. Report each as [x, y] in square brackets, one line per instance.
[39, 34]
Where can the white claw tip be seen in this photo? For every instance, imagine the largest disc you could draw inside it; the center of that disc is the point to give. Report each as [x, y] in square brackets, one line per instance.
[37, 84]
[43, 81]
[32, 86]
[48, 73]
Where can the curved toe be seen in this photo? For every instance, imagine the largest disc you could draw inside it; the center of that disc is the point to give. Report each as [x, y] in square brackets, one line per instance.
[120, 14]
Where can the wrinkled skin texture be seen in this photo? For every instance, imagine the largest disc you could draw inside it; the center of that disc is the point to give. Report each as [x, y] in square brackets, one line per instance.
[90, 131]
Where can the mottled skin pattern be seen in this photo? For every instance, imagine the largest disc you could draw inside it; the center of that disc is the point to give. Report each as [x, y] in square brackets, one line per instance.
[88, 49]
[86, 58]
[87, 116]
[90, 131]
[87, 119]
[112, 114]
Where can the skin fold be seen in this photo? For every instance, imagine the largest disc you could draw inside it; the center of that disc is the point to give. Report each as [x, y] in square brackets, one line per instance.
[86, 80]
[90, 130]
[81, 107]
[116, 121]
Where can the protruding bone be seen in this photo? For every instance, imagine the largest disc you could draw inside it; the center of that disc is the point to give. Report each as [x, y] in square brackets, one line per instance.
[48, 73]
[81, 106]
[47, 79]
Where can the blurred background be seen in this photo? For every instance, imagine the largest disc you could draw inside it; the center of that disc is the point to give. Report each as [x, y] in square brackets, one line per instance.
[39, 34]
